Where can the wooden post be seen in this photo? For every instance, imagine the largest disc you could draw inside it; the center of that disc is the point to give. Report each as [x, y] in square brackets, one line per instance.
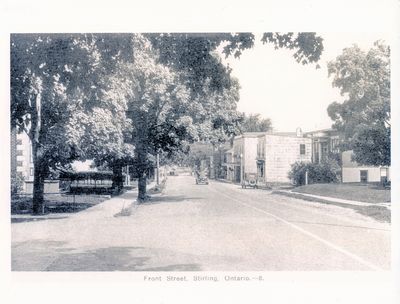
[128, 178]
[306, 181]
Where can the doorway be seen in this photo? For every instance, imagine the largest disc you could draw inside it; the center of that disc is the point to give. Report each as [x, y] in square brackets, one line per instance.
[364, 176]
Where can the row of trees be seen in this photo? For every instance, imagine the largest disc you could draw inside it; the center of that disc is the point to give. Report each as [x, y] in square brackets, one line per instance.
[122, 98]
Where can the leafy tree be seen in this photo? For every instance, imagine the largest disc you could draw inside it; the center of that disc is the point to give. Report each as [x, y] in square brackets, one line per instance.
[57, 97]
[255, 123]
[164, 114]
[364, 117]
[103, 137]
[45, 69]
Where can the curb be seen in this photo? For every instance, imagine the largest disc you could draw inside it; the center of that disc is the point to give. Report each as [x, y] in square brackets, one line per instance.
[326, 199]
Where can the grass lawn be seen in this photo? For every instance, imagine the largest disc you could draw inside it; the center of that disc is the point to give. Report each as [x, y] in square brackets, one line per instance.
[57, 203]
[369, 193]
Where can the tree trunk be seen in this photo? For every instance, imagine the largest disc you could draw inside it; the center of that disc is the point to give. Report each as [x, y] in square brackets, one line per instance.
[142, 187]
[39, 165]
[141, 150]
[39, 175]
[118, 182]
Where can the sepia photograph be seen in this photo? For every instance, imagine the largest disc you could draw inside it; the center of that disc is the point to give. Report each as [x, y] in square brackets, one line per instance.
[150, 156]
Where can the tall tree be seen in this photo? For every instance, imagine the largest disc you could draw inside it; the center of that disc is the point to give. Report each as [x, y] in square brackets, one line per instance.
[46, 89]
[364, 117]
[164, 114]
[57, 91]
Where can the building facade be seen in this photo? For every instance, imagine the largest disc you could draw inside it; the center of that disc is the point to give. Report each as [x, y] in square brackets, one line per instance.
[21, 156]
[244, 155]
[228, 166]
[355, 173]
[324, 143]
[22, 163]
[277, 152]
[268, 155]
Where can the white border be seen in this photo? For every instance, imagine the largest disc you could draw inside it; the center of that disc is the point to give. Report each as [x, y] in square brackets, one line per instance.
[199, 16]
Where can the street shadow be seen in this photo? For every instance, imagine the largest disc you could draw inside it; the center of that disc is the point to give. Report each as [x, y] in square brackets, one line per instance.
[112, 259]
[102, 259]
[55, 256]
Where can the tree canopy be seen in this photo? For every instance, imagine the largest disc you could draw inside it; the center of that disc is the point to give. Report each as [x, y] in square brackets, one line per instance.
[124, 97]
[364, 117]
[255, 123]
[58, 98]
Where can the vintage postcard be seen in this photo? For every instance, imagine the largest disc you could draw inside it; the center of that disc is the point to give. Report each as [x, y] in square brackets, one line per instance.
[176, 157]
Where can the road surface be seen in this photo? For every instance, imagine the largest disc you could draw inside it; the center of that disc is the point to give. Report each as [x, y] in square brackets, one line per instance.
[215, 227]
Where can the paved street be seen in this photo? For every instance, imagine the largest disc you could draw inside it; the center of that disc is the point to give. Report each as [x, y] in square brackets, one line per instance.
[215, 227]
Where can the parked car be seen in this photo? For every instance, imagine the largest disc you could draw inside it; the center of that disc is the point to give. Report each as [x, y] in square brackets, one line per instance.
[249, 180]
[201, 178]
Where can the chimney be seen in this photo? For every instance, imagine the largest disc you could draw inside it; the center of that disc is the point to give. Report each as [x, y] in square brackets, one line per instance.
[299, 132]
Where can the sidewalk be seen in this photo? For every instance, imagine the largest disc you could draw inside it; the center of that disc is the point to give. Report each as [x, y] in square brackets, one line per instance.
[116, 206]
[331, 199]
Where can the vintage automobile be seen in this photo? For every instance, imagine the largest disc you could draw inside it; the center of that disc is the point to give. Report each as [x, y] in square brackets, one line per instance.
[249, 180]
[201, 178]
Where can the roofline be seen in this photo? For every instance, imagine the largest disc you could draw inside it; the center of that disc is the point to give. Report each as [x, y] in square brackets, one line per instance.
[321, 130]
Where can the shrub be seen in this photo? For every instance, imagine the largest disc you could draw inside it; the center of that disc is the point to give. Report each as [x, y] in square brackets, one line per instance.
[325, 172]
[17, 184]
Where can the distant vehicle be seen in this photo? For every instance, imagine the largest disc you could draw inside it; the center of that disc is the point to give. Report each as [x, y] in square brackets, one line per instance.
[173, 171]
[201, 178]
[249, 180]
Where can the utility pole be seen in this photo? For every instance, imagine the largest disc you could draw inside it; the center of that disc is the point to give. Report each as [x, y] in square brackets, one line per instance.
[241, 168]
[158, 169]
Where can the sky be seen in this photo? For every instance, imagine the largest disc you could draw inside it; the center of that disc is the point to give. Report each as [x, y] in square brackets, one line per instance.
[291, 94]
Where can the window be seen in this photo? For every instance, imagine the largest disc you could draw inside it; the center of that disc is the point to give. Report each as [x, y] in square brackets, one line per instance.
[19, 141]
[302, 149]
[31, 172]
[19, 164]
[19, 152]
